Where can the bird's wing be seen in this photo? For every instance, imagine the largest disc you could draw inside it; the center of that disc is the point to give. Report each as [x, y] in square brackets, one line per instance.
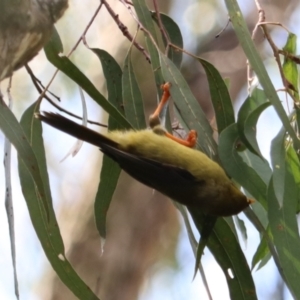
[151, 172]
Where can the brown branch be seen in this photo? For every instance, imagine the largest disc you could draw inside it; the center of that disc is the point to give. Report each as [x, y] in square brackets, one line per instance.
[294, 58]
[161, 26]
[261, 19]
[82, 37]
[42, 95]
[125, 31]
[263, 25]
[39, 86]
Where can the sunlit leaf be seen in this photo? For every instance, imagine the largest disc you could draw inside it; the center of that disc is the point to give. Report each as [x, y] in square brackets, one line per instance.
[46, 227]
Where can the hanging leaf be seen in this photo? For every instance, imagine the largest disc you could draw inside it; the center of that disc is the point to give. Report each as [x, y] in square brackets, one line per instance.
[219, 96]
[66, 66]
[248, 116]
[132, 97]
[110, 171]
[174, 34]
[238, 169]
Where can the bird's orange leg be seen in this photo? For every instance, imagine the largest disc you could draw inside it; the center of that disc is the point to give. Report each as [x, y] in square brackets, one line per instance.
[191, 139]
[164, 99]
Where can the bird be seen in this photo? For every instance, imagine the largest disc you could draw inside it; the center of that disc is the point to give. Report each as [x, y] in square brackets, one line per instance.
[163, 162]
[25, 27]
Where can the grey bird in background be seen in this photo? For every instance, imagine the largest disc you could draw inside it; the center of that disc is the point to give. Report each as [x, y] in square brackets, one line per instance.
[25, 27]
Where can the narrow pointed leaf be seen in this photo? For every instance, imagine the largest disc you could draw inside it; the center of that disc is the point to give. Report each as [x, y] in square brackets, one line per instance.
[248, 116]
[230, 257]
[46, 228]
[219, 96]
[238, 169]
[65, 65]
[289, 67]
[187, 106]
[110, 171]
[132, 96]
[174, 35]
[284, 227]
[145, 18]
[278, 154]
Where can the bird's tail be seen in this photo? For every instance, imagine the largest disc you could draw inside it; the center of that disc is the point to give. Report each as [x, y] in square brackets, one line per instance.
[81, 132]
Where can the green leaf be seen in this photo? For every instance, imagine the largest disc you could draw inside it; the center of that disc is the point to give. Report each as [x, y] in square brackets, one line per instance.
[261, 166]
[46, 228]
[15, 134]
[132, 96]
[294, 167]
[248, 116]
[207, 225]
[289, 67]
[187, 107]
[113, 75]
[261, 255]
[240, 224]
[237, 168]
[284, 228]
[250, 127]
[174, 36]
[230, 257]
[110, 171]
[219, 96]
[145, 18]
[66, 66]
[284, 159]
[278, 153]
[290, 70]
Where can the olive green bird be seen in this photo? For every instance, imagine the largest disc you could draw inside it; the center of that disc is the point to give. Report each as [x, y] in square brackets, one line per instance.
[169, 166]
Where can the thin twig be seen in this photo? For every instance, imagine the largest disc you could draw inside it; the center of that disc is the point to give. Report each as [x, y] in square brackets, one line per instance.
[141, 25]
[125, 31]
[223, 29]
[82, 37]
[161, 26]
[42, 95]
[38, 85]
[261, 19]
[294, 58]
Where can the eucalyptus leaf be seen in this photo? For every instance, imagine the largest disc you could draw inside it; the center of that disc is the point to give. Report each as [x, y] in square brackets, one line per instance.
[65, 65]
[46, 227]
[110, 171]
[237, 168]
[187, 106]
[248, 116]
[219, 96]
[174, 34]
[226, 249]
[132, 96]
[284, 227]
[289, 66]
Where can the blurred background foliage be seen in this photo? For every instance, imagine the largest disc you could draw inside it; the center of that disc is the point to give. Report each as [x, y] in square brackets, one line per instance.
[145, 256]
